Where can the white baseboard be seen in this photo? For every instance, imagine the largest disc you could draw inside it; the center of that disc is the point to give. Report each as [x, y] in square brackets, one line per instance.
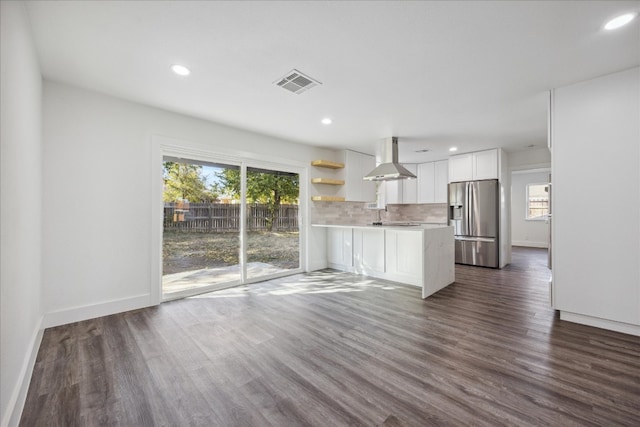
[16, 403]
[612, 325]
[317, 264]
[77, 314]
[529, 244]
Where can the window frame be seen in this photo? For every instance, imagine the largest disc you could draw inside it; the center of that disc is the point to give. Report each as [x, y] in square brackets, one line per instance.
[526, 202]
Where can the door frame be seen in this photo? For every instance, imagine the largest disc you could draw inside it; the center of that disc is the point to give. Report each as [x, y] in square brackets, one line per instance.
[162, 146]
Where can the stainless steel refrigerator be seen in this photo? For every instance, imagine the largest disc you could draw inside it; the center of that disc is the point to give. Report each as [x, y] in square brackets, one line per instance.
[474, 208]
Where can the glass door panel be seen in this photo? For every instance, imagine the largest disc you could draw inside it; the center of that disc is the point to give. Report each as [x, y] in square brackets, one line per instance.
[272, 229]
[201, 227]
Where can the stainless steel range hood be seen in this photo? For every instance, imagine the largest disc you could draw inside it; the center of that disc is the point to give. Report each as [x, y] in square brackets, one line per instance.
[389, 169]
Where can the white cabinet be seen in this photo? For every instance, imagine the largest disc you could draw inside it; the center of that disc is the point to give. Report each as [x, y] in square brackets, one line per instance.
[368, 251]
[485, 164]
[426, 181]
[404, 255]
[432, 182]
[595, 133]
[340, 248]
[421, 257]
[441, 181]
[402, 191]
[410, 186]
[461, 167]
[357, 165]
[392, 192]
[474, 166]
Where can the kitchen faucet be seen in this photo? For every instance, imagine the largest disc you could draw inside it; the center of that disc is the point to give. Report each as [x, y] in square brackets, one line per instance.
[379, 220]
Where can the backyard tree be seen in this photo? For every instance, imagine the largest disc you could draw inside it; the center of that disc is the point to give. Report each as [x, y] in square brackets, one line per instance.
[185, 182]
[270, 188]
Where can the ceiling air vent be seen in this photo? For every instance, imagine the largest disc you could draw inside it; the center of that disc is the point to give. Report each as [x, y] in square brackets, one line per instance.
[424, 150]
[296, 82]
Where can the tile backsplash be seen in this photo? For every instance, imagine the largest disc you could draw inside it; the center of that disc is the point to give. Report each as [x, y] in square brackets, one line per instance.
[356, 213]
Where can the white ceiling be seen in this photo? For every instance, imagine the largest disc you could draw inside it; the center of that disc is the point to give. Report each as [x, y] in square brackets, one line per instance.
[435, 74]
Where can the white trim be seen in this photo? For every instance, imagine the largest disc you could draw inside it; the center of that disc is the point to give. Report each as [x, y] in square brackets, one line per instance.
[529, 169]
[244, 242]
[85, 312]
[317, 264]
[199, 290]
[529, 244]
[625, 328]
[19, 395]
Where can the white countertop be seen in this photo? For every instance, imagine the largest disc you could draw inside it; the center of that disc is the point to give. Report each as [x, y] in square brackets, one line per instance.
[387, 226]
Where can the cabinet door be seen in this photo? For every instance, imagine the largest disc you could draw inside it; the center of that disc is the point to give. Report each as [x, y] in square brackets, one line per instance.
[441, 180]
[404, 253]
[485, 164]
[393, 192]
[410, 186]
[368, 248]
[426, 180]
[461, 168]
[340, 247]
[357, 165]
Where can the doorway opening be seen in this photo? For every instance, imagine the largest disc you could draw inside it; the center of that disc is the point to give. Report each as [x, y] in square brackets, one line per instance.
[530, 208]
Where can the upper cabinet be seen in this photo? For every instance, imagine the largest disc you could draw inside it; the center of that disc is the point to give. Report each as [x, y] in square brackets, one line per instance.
[430, 187]
[441, 181]
[410, 186]
[474, 166]
[461, 167]
[426, 182]
[485, 164]
[432, 182]
[402, 191]
[357, 165]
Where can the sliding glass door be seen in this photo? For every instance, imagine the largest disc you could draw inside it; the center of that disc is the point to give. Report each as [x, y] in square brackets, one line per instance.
[225, 225]
[273, 235]
[201, 229]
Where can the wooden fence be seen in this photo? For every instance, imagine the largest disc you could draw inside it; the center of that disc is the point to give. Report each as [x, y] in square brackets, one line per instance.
[219, 217]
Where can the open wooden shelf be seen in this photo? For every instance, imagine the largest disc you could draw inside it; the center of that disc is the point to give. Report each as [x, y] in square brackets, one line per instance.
[327, 199]
[327, 164]
[329, 181]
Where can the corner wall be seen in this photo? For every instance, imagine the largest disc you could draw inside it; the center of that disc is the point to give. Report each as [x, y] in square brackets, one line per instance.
[20, 209]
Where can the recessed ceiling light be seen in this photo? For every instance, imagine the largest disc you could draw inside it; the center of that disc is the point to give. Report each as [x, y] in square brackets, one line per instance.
[619, 21]
[453, 149]
[326, 121]
[180, 70]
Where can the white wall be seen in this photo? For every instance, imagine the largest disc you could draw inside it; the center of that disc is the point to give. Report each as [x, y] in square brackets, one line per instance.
[97, 195]
[596, 201]
[526, 232]
[21, 209]
[531, 158]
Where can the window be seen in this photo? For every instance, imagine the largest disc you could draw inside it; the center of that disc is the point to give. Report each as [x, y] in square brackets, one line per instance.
[537, 202]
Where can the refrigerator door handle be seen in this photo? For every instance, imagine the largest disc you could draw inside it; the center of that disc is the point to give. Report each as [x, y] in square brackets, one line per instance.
[467, 201]
[471, 219]
[476, 239]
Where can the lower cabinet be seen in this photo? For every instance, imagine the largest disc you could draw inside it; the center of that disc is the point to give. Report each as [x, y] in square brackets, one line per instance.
[340, 248]
[404, 256]
[389, 254]
[368, 251]
[423, 258]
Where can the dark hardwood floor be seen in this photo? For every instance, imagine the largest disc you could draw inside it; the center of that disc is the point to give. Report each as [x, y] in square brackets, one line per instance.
[334, 349]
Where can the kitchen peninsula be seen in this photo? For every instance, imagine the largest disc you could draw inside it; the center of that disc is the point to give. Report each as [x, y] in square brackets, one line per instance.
[415, 254]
